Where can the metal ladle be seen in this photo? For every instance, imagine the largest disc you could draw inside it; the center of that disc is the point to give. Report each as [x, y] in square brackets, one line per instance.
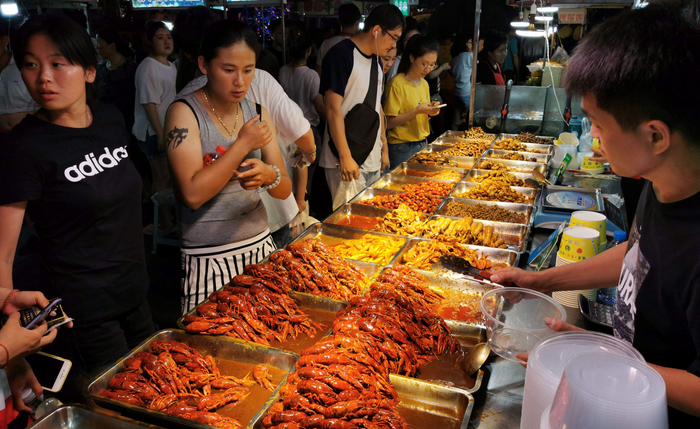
[475, 357]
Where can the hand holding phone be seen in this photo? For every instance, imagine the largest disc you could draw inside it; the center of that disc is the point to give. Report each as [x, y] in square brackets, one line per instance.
[19, 340]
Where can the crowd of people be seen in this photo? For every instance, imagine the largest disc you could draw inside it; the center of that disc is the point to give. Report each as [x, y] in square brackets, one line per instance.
[247, 139]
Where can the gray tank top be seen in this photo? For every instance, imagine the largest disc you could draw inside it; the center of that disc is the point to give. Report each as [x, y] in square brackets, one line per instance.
[234, 214]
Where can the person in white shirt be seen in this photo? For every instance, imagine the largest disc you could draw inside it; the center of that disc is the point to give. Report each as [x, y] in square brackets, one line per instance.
[155, 90]
[411, 29]
[15, 101]
[294, 132]
[349, 16]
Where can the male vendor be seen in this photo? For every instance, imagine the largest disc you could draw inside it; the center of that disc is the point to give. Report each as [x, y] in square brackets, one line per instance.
[641, 92]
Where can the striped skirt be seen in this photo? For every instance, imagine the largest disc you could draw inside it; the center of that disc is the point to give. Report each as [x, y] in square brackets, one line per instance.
[207, 269]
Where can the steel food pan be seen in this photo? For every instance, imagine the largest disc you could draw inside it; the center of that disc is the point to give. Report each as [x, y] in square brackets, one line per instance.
[396, 182]
[463, 187]
[522, 209]
[501, 256]
[515, 136]
[460, 161]
[517, 166]
[514, 235]
[422, 404]
[452, 140]
[433, 148]
[334, 235]
[540, 157]
[368, 194]
[531, 147]
[221, 348]
[78, 416]
[476, 172]
[423, 170]
[366, 216]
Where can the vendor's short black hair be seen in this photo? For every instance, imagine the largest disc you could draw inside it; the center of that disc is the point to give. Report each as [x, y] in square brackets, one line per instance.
[386, 16]
[492, 40]
[642, 65]
[152, 28]
[348, 15]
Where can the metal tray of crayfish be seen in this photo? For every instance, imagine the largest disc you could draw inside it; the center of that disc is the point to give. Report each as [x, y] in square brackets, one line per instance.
[500, 257]
[233, 357]
[428, 171]
[522, 210]
[462, 188]
[397, 182]
[529, 156]
[334, 235]
[78, 416]
[421, 404]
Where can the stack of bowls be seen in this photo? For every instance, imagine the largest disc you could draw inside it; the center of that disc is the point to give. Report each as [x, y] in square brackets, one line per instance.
[608, 392]
[577, 243]
[515, 319]
[546, 365]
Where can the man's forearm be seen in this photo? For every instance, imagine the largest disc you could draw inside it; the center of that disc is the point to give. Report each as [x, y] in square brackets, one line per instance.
[306, 142]
[601, 271]
[682, 389]
[336, 127]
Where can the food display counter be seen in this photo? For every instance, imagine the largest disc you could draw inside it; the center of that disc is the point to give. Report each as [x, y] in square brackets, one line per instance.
[363, 290]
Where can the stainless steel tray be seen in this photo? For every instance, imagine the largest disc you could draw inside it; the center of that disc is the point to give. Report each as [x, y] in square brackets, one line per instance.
[343, 212]
[518, 166]
[369, 193]
[422, 404]
[78, 416]
[461, 161]
[463, 187]
[531, 147]
[333, 235]
[225, 348]
[504, 256]
[414, 169]
[540, 157]
[524, 209]
[476, 172]
[514, 235]
[396, 182]
[515, 136]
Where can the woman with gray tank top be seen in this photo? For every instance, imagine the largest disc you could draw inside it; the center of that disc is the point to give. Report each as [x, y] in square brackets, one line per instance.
[221, 219]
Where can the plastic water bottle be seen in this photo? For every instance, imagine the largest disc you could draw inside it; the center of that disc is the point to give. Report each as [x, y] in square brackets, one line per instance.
[608, 295]
[575, 127]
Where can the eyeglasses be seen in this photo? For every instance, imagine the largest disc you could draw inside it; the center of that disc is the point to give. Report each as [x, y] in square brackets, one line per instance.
[432, 66]
[385, 31]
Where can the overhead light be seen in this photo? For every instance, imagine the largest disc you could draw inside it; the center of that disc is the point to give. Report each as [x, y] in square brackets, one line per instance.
[218, 7]
[530, 33]
[9, 8]
[551, 31]
[547, 9]
[362, 25]
[519, 24]
[169, 25]
[543, 18]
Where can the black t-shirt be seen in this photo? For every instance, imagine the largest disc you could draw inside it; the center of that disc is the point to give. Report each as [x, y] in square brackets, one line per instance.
[485, 73]
[118, 87]
[658, 299]
[84, 197]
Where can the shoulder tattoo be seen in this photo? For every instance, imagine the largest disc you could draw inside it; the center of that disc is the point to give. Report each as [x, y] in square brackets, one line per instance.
[175, 137]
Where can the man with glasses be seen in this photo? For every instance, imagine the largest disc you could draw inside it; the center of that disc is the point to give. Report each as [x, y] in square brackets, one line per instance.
[345, 82]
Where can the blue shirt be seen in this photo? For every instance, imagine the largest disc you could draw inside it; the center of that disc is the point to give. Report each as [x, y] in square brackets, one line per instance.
[462, 73]
[512, 50]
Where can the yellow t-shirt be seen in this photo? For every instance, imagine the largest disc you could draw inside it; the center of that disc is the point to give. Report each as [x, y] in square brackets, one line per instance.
[402, 96]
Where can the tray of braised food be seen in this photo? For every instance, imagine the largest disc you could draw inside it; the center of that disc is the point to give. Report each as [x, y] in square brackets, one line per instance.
[495, 189]
[511, 178]
[509, 165]
[450, 174]
[531, 138]
[514, 144]
[181, 380]
[423, 202]
[398, 182]
[487, 210]
[518, 156]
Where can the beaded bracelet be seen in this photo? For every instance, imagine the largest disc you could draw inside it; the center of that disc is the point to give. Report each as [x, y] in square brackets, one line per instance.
[8, 356]
[7, 301]
[277, 181]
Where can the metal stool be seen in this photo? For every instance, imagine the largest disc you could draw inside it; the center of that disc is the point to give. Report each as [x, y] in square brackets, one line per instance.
[164, 198]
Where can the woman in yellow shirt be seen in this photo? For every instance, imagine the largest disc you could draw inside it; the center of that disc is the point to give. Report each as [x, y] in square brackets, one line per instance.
[408, 106]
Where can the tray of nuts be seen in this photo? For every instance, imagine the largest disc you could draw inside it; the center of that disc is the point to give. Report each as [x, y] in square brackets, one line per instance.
[487, 210]
[518, 156]
[495, 190]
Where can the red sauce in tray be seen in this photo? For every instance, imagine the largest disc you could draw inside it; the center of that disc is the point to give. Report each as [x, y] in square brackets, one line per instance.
[362, 222]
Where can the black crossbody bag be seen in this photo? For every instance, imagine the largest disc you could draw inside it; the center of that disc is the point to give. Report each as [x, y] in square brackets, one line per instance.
[362, 123]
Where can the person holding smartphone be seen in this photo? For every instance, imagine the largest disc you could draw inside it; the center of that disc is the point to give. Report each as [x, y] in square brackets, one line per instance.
[408, 106]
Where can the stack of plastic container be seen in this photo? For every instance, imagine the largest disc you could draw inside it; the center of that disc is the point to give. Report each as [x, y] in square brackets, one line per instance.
[546, 365]
[606, 391]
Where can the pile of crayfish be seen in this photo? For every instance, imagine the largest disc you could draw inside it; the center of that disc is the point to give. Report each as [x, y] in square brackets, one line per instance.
[336, 385]
[403, 285]
[254, 307]
[176, 379]
[314, 268]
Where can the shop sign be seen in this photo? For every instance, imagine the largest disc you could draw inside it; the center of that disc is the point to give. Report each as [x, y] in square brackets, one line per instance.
[572, 16]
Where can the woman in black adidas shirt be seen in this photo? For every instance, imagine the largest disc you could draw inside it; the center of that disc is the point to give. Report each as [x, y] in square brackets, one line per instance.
[67, 167]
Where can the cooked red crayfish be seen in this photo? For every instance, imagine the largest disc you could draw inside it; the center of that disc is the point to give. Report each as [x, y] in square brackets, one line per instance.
[262, 376]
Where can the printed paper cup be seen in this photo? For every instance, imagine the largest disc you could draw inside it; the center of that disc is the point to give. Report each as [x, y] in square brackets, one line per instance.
[579, 243]
[590, 166]
[593, 220]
